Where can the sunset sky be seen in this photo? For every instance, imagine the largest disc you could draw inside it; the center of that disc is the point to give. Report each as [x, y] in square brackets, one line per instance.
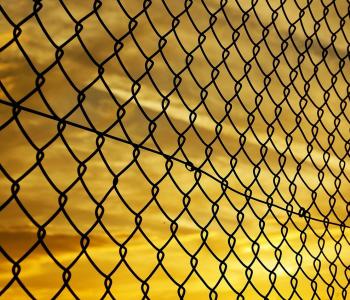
[260, 124]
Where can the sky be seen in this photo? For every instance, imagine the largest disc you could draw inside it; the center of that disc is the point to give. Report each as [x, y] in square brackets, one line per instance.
[266, 129]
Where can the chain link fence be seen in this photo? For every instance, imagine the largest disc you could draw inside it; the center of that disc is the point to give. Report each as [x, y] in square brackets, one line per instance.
[175, 149]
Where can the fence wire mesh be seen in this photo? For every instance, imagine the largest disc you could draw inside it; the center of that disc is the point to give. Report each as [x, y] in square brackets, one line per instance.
[175, 149]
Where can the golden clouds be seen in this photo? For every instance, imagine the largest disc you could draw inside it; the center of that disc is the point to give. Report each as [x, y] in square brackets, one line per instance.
[270, 119]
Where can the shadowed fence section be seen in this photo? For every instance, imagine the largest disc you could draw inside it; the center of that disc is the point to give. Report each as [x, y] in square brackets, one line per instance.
[174, 149]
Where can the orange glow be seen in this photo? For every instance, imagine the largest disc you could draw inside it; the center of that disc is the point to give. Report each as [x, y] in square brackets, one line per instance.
[110, 171]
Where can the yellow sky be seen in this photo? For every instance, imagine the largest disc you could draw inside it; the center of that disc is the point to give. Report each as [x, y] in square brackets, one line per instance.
[312, 109]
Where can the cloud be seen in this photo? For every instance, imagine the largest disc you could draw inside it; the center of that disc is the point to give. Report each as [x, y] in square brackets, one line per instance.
[135, 190]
